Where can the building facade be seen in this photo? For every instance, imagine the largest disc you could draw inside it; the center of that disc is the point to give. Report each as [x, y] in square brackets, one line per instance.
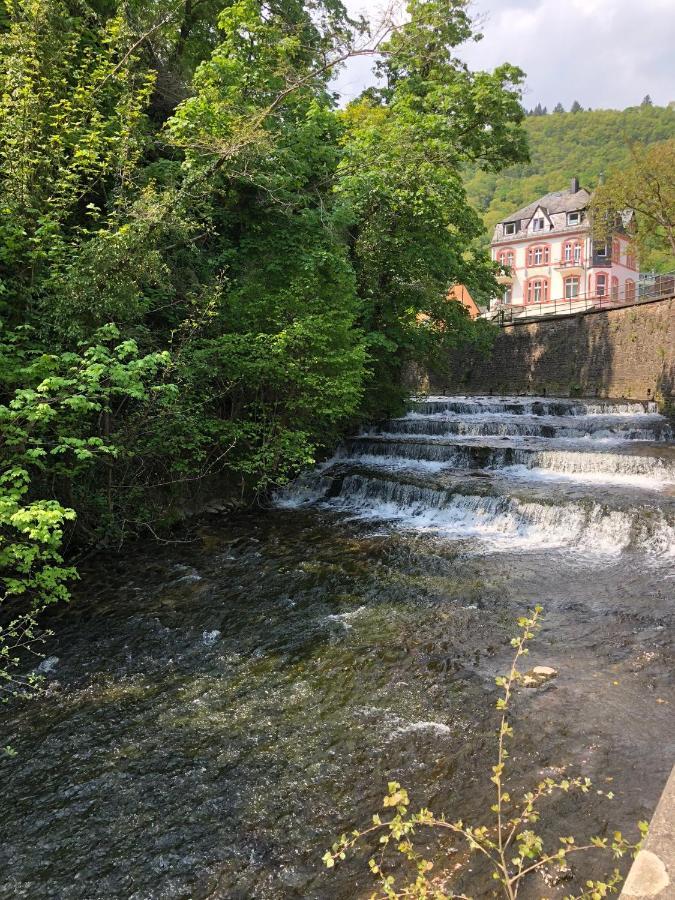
[551, 255]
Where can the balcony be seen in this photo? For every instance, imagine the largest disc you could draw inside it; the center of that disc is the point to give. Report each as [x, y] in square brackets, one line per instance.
[662, 288]
[570, 268]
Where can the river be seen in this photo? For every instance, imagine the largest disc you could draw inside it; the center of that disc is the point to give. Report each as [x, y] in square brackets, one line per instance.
[218, 709]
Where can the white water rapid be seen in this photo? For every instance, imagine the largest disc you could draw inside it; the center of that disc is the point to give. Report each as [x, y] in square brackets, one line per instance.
[593, 476]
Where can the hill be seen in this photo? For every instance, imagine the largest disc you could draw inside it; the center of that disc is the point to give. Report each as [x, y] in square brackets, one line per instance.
[563, 145]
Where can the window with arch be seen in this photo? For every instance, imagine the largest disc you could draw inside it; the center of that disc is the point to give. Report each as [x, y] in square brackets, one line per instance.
[539, 255]
[630, 258]
[537, 290]
[572, 252]
[615, 287]
[571, 287]
[601, 285]
[506, 258]
[630, 289]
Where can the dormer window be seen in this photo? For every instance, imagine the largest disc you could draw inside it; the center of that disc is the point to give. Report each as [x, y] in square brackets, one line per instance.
[509, 228]
[601, 250]
[573, 218]
[538, 224]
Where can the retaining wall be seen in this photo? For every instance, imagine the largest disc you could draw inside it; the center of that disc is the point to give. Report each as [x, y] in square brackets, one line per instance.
[627, 352]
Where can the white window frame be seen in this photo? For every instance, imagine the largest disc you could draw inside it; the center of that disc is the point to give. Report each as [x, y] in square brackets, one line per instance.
[570, 282]
[577, 253]
[538, 224]
[509, 227]
[601, 250]
[573, 218]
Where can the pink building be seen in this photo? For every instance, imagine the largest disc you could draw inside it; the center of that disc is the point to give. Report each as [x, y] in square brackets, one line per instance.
[551, 255]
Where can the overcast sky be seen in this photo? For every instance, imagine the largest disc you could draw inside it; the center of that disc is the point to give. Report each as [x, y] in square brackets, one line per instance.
[603, 53]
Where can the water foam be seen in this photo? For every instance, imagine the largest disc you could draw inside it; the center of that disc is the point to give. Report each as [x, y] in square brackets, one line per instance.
[505, 520]
[533, 439]
[594, 429]
[650, 472]
[531, 405]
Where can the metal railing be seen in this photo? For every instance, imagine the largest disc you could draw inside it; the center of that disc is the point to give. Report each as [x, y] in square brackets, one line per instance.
[661, 288]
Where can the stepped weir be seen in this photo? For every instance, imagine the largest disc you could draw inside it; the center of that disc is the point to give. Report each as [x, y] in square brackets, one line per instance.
[536, 471]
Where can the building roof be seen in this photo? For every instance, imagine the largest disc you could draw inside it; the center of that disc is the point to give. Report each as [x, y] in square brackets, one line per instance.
[460, 293]
[555, 202]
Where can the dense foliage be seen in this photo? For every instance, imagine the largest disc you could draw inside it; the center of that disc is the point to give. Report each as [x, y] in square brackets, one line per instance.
[207, 271]
[646, 185]
[579, 143]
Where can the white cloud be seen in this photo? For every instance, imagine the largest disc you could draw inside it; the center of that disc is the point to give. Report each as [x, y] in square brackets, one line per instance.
[603, 53]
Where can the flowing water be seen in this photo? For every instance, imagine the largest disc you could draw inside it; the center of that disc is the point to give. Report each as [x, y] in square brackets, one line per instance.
[218, 709]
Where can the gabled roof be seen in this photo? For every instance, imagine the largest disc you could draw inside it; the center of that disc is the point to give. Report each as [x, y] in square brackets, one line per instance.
[543, 211]
[627, 216]
[555, 202]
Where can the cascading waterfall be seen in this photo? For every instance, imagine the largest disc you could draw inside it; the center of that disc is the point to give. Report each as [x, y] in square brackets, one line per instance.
[538, 406]
[610, 429]
[596, 475]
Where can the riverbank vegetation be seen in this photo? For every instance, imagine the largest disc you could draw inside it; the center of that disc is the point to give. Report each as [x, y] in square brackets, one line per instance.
[646, 186]
[208, 270]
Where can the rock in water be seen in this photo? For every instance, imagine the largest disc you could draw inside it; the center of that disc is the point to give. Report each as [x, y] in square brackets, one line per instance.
[544, 672]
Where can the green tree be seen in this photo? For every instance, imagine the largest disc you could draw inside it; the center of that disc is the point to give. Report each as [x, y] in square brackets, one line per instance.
[190, 220]
[71, 135]
[53, 431]
[646, 186]
[401, 175]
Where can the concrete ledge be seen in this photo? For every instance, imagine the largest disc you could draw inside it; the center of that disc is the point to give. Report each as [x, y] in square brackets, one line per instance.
[652, 874]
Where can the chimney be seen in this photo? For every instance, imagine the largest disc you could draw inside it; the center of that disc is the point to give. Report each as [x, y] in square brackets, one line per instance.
[574, 186]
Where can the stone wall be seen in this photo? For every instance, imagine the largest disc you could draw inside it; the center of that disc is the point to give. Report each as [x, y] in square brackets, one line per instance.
[626, 352]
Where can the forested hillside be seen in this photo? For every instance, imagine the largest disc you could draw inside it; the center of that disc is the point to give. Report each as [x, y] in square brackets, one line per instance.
[562, 145]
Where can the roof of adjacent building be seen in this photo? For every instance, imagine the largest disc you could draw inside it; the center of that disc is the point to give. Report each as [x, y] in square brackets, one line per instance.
[555, 202]
[460, 293]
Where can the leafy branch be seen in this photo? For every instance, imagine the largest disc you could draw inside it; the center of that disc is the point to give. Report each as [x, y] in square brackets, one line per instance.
[512, 847]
